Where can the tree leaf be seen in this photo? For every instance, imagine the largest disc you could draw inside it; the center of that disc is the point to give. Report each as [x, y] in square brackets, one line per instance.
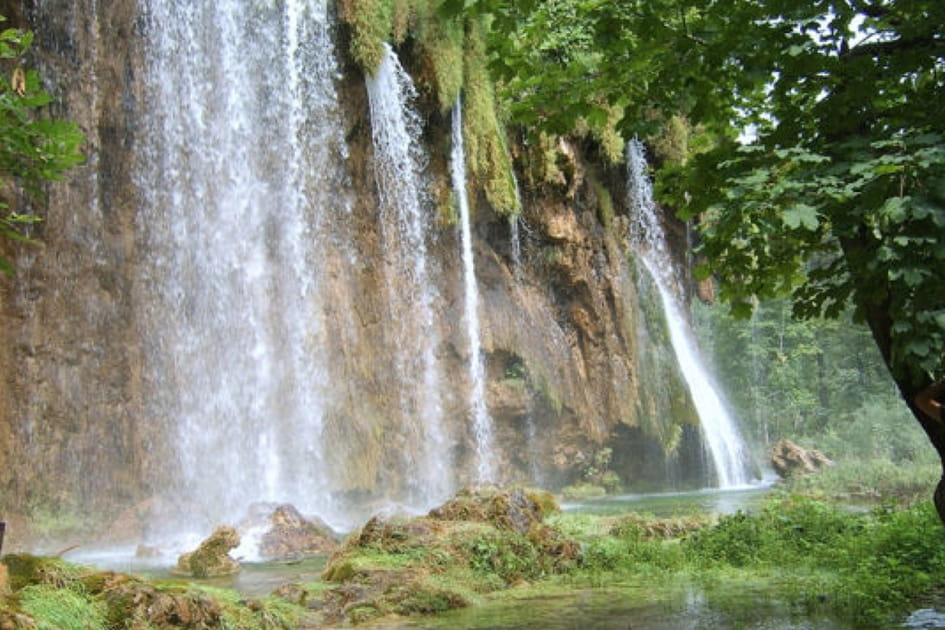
[801, 215]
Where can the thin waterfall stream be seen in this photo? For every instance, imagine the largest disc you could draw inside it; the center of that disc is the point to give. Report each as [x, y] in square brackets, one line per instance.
[482, 423]
[399, 173]
[723, 441]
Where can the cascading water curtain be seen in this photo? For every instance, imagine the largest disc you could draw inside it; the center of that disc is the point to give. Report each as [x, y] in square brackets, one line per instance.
[406, 214]
[241, 144]
[723, 441]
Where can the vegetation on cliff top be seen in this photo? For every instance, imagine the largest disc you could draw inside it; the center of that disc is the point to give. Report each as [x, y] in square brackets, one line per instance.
[452, 60]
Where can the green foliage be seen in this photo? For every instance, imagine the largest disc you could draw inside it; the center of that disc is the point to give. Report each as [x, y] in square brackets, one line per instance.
[55, 608]
[487, 154]
[817, 382]
[268, 613]
[826, 228]
[864, 566]
[871, 480]
[443, 43]
[371, 23]
[33, 150]
[509, 555]
[840, 197]
[26, 569]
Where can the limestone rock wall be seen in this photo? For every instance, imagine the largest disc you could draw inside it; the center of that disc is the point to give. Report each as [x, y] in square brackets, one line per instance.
[69, 361]
[559, 331]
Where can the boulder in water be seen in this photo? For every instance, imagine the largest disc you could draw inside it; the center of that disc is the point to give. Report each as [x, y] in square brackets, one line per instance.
[293, 536]
[211, 558]
[789, 459]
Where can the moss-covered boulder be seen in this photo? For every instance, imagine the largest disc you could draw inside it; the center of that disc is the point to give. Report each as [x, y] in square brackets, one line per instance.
[211, 558]
[482, 540]
[133, 603]
[292, 536]
[24, 569]
[790, 460]
[517, 509]
[51, 593]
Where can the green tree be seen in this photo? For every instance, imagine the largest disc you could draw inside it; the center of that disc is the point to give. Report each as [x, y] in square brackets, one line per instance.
[34, 150]
[838, 198]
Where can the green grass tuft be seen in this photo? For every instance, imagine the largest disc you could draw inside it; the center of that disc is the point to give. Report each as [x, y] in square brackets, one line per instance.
[55, 608]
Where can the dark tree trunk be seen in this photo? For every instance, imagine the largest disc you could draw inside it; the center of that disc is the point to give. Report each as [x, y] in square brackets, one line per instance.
[880, 324]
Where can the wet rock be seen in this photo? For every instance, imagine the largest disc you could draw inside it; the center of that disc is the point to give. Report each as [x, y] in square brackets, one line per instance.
[563, 227]
[293, 536]
[514, 509]
[133, 603]
[211, 558]
[508, 398]
[789, 459]
[925, 618]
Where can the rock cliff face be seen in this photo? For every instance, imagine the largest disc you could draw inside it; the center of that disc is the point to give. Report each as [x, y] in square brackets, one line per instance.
[569, 371]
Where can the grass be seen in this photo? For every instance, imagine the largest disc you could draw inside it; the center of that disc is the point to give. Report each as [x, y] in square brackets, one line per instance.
[56, 608]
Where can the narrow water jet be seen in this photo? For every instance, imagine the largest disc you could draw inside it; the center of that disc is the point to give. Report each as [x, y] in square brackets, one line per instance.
[482, 422]
[405, 210]
[515, 236]
[228, 294]
[723, 442]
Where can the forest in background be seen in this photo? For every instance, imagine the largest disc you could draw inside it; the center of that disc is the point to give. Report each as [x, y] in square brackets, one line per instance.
[822, 384]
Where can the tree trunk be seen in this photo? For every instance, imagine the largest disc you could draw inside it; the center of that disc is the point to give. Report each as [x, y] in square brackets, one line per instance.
[877, 316]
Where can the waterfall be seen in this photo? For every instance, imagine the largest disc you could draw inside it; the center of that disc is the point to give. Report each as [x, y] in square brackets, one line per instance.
[720, 434]
[405, 216]
[515, 236]
[482, 423]
[237, 169]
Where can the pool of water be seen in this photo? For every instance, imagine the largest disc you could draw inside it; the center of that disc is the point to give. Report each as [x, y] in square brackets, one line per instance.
[255, 579]
[684, 607]
[668, 504]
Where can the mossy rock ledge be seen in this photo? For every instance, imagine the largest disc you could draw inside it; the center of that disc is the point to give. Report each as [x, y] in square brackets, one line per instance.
[484, 539]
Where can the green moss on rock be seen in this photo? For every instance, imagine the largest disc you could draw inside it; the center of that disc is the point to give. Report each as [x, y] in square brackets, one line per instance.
[372, 23]
[487, 151]
[25, 569]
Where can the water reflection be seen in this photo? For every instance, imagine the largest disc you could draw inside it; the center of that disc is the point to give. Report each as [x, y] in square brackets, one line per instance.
[632, 608]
